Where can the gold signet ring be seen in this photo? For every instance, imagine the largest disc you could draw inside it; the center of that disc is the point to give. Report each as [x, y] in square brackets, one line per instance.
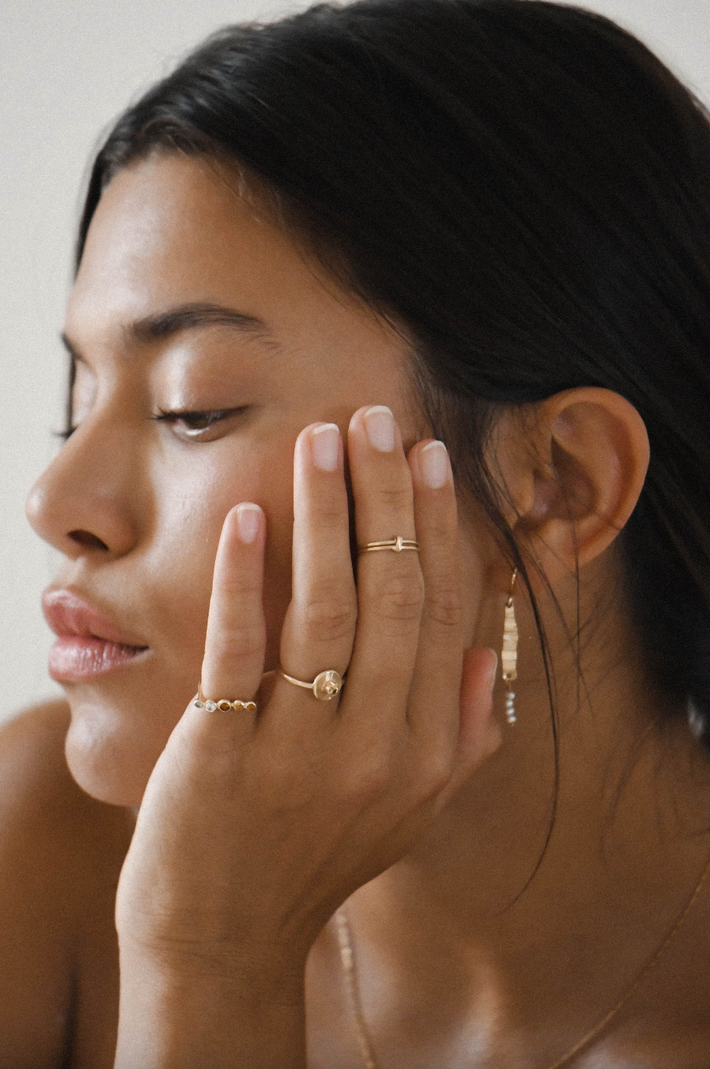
[325, 686]
[395, 544]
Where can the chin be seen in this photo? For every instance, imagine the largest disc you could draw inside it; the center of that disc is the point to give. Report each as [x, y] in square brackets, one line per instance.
[109, 756]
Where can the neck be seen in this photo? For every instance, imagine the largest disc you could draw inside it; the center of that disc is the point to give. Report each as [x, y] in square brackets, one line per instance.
[533, 890]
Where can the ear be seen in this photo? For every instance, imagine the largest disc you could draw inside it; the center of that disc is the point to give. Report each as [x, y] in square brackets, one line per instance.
[574, 475]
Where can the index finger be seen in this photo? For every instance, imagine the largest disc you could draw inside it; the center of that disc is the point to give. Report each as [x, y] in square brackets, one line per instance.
[235, 644]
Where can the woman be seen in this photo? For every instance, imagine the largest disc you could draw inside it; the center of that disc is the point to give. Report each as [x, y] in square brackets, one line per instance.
[373, 231]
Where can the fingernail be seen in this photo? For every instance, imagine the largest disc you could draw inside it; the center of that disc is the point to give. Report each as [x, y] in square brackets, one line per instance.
[434, 464]
[325, 446]
[248, 521]
[379, 425]
[493, 668]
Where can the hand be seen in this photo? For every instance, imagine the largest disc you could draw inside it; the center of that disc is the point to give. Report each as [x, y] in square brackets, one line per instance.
[255, 827]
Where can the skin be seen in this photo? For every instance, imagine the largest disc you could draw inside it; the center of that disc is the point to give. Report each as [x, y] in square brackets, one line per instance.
[384, 798]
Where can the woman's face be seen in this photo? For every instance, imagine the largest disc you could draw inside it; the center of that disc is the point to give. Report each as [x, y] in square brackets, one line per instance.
[186, 301]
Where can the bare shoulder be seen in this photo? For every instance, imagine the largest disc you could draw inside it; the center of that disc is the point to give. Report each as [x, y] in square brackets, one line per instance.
[32, 753]
[60, 856]
[39, 800]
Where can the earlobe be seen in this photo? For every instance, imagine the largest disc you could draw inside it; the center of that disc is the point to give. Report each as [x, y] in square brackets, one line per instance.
[592, 457]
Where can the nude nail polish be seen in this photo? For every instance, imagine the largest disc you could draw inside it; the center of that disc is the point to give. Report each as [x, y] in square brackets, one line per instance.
[325, 446]
[248, 521]
[379, 426]
[434, 465]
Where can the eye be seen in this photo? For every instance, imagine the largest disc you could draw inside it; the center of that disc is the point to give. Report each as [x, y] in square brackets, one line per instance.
[196, 425]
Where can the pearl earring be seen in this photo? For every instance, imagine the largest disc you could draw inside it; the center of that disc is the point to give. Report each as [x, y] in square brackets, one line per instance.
[509, 653]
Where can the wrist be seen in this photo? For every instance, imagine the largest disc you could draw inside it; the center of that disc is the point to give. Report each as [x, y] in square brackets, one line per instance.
[190, 1015]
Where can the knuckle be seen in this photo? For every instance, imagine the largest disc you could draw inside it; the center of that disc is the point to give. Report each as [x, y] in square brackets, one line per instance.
[366, 780]
[242, 640]
[400, 599]
[397, 496]
[443, 605]
[243, 586]
[439, 774]
[329, 511]
[330, 616]
[371, 780]
[431, 775]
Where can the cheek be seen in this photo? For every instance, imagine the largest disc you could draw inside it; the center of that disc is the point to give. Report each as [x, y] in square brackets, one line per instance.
[188, 524]
[120, 726]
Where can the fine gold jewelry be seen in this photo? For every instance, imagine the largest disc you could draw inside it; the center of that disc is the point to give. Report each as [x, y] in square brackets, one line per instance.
[348, 964]
[223, 704]
[347, 961]
[395, 544]
[325, 686]
[509, 653]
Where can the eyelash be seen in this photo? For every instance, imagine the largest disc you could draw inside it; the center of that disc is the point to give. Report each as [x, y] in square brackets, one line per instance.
[208, 418]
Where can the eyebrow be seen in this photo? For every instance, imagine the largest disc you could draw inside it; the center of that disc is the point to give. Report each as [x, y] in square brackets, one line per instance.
[188, 317]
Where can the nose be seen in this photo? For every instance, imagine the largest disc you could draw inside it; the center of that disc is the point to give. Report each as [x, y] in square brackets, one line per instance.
[82, 504]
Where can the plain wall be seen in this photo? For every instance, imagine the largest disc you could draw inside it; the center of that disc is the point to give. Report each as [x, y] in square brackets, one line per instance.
[67, 67]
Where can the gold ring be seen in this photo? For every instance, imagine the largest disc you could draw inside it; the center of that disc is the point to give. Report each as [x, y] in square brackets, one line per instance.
[325, 686]
[223, 704]
[395, 544]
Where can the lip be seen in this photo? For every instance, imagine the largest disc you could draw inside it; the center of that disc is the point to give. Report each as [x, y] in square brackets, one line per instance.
[89, 643]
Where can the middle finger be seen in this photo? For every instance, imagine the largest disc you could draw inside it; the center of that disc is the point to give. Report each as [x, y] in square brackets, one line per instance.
[320, 623]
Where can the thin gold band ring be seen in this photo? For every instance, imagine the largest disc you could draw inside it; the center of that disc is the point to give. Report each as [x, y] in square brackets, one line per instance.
[396, 545]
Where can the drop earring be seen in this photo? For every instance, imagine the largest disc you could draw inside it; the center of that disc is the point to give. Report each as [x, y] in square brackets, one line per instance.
[509, 653]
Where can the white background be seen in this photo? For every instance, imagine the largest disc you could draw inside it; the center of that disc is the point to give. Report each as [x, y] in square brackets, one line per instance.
[67, 68]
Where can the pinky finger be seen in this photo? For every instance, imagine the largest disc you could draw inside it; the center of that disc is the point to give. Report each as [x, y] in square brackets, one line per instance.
[236, 629]
[479, 733]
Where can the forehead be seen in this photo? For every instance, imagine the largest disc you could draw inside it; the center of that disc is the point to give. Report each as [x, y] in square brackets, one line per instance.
[174, 230]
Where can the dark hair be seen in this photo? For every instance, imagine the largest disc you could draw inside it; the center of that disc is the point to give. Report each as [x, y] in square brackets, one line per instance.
[525, 188]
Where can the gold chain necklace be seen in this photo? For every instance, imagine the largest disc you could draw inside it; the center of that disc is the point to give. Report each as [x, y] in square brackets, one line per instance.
[347, 958]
